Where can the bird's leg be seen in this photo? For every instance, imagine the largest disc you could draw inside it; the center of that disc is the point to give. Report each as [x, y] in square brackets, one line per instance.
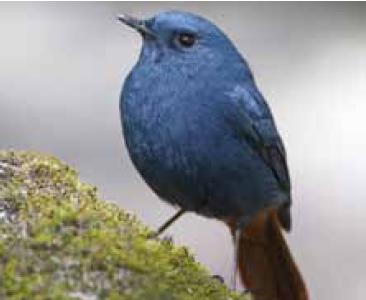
[237, 232]
[236, 238]
[169, 222]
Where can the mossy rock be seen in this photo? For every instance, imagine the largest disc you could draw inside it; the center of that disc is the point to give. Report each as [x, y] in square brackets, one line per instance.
[59, 241]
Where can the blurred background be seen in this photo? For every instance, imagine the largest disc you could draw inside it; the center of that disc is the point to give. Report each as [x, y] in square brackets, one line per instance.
[62, 67]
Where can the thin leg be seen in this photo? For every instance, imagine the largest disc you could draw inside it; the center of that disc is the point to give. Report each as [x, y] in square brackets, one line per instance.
[163, 227]
[236, 237]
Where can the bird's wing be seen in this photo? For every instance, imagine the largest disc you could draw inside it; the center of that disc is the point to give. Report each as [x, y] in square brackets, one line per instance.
[251, 118]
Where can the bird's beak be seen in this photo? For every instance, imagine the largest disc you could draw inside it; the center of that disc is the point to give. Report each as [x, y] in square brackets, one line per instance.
[137, 24]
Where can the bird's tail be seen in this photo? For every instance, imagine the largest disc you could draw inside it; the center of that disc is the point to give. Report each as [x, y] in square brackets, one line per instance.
[265, 263]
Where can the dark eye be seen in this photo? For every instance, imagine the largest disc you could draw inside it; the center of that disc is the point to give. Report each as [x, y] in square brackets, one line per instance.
[186, 40]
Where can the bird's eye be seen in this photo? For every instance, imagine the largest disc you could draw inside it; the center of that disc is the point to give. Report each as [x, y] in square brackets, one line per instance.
[186, 40]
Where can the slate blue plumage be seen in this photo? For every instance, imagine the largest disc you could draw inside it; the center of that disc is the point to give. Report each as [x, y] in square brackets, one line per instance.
[196, 126]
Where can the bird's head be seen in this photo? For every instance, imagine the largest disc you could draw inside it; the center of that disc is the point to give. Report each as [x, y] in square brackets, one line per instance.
[182, 39]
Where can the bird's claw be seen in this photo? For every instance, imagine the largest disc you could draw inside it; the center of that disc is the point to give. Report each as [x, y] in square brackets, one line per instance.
[219, 278]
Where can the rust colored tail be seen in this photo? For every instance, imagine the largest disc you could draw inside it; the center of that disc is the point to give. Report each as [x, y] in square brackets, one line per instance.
[266, 266]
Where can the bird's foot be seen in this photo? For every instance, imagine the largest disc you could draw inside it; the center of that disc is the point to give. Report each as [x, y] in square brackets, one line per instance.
[219, 278]
[155, 235]
[152, 235]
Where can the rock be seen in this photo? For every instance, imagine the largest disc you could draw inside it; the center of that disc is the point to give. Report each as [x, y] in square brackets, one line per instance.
[59, 241]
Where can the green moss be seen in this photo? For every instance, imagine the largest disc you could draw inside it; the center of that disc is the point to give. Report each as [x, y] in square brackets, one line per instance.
[58, 241]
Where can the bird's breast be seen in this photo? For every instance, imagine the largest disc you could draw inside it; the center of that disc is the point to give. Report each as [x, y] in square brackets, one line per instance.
[187, 152]
[167, 137]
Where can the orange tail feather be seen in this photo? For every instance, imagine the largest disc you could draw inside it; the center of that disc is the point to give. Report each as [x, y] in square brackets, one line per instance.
[266, 266]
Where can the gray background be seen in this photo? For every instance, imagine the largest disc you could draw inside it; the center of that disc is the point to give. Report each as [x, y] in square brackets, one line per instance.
[61, 70]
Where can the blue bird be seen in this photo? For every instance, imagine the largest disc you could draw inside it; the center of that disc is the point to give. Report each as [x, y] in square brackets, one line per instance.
[202, 136]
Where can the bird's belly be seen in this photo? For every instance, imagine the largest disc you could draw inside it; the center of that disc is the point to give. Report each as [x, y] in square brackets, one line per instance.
[208, 172]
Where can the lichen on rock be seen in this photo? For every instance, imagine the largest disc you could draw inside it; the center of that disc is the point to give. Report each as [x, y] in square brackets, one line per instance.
[59, 241]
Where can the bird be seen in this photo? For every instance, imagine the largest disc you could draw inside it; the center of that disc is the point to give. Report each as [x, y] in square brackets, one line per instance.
[203, 138]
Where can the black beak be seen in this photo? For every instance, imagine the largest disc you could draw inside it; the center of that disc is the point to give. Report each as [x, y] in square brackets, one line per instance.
[136, 24]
